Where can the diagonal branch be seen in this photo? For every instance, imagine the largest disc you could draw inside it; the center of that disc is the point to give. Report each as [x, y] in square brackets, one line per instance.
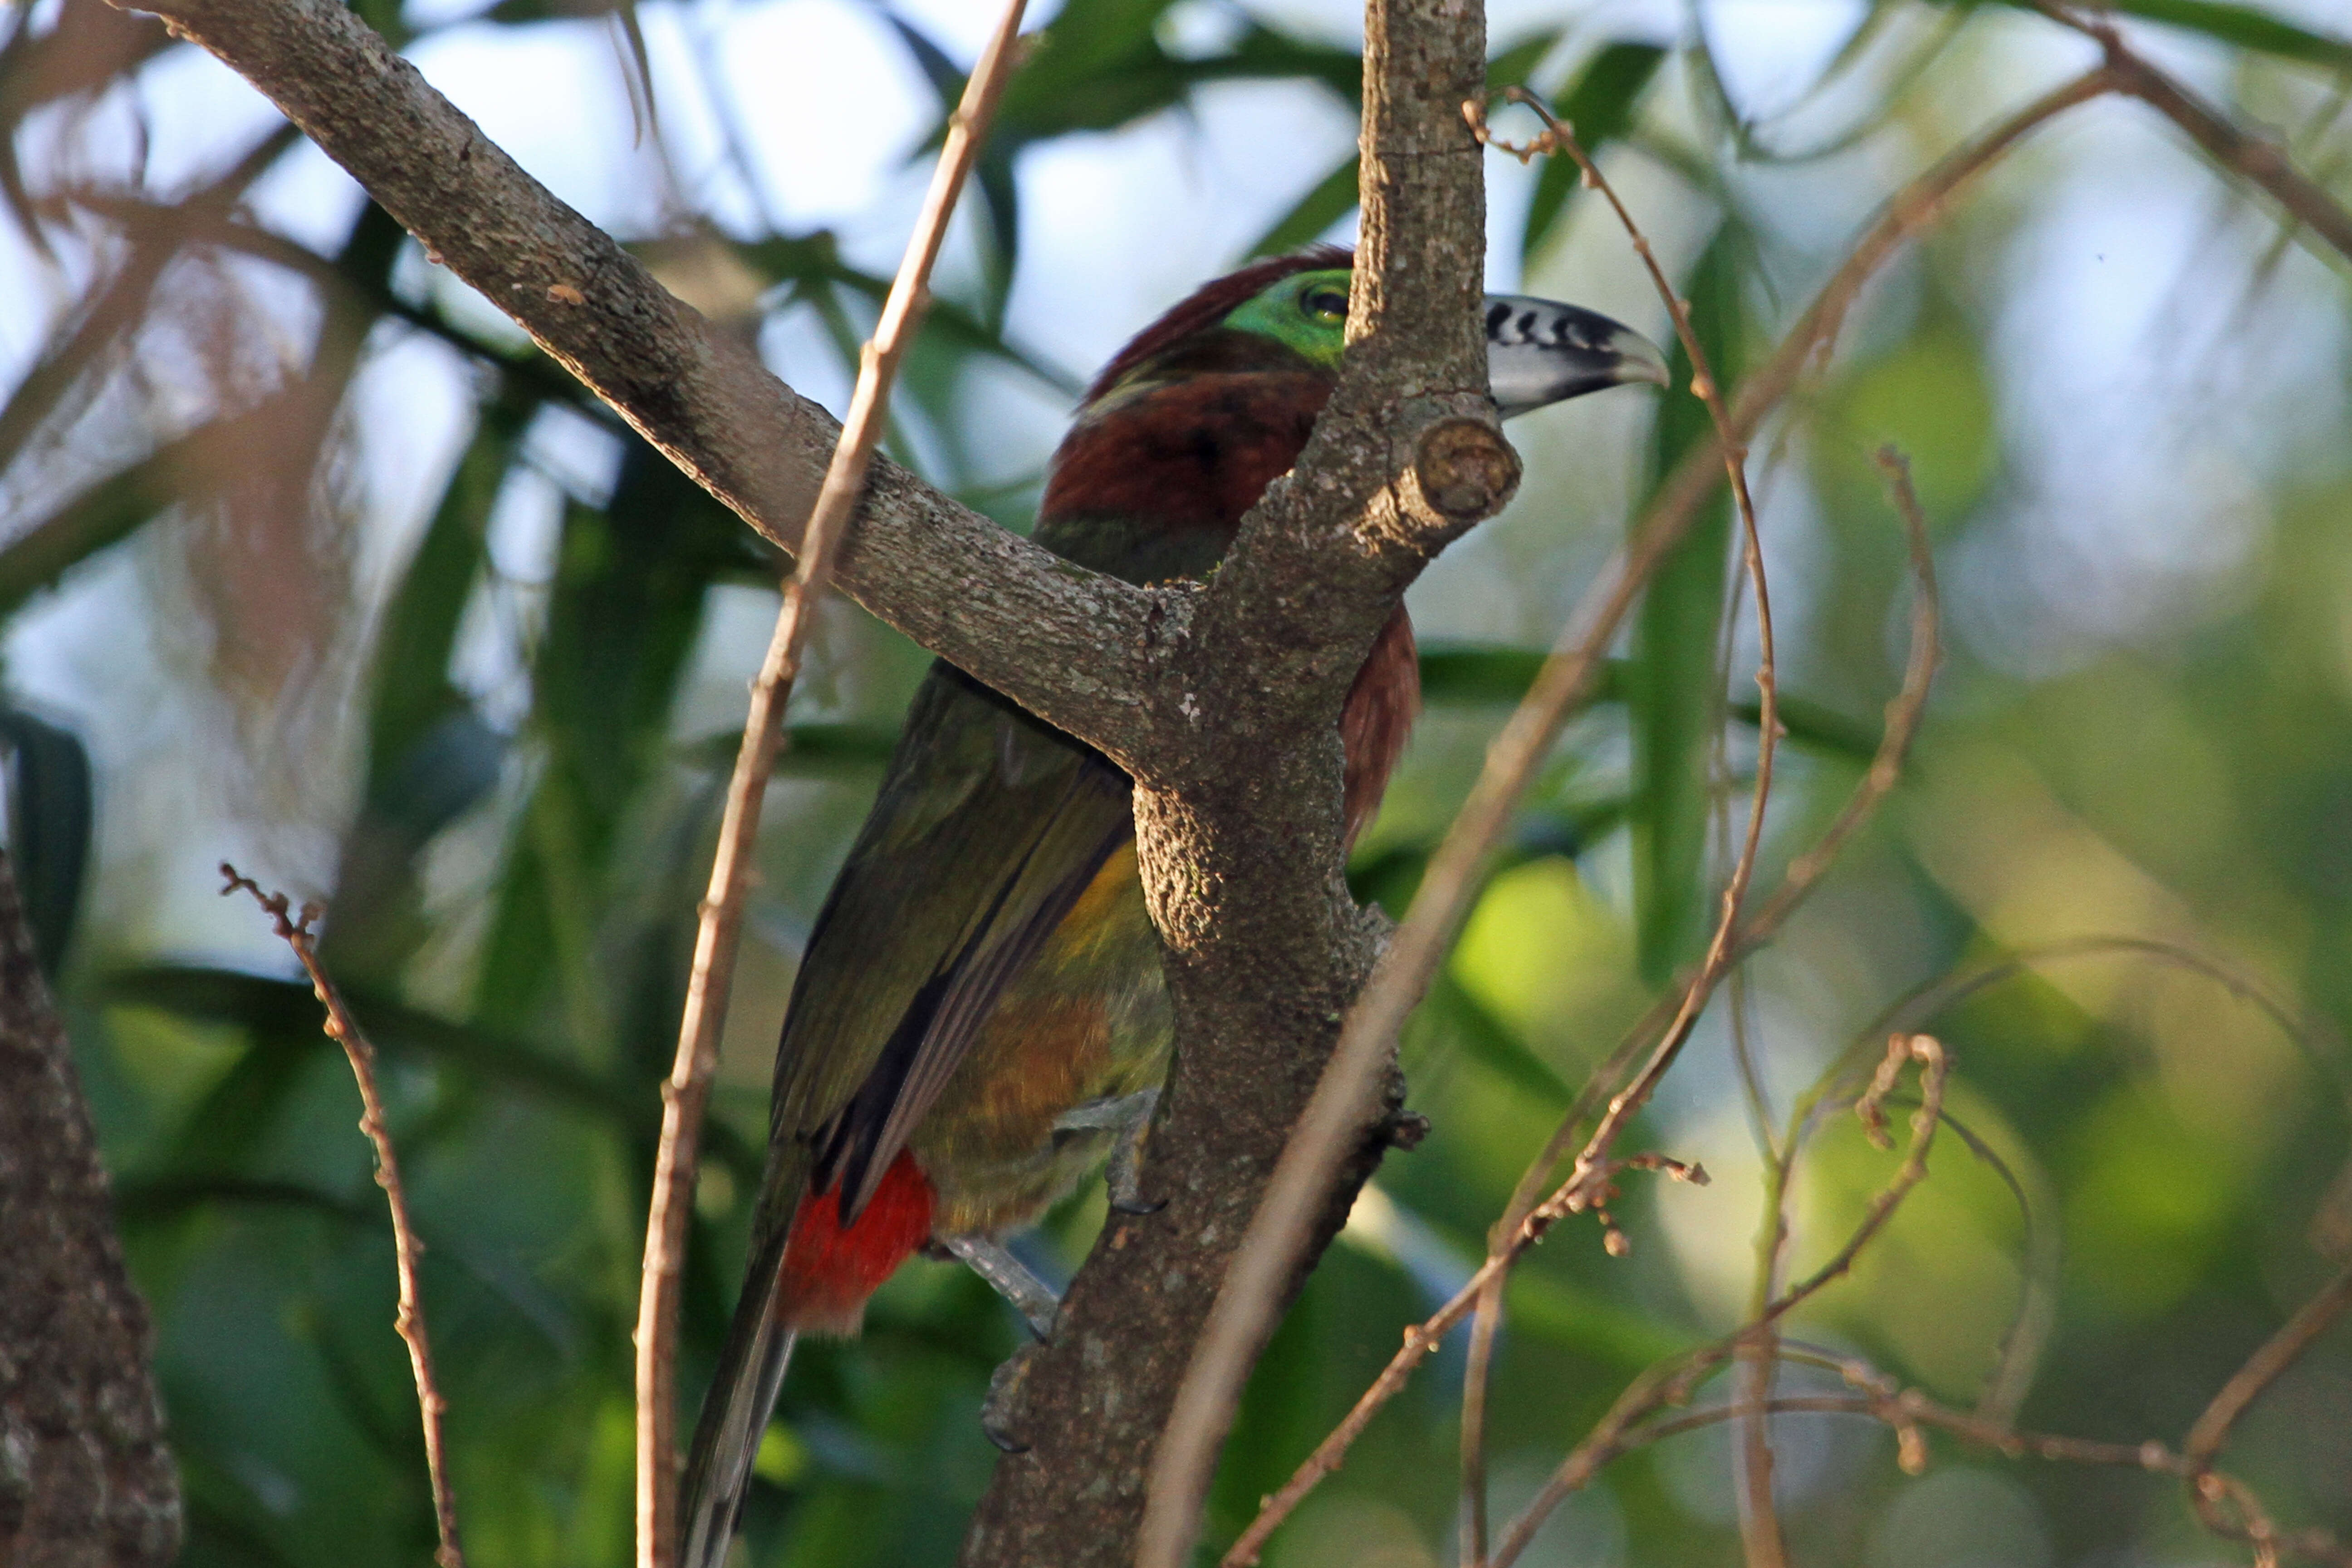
[686, 1092]
[295, 928]
[2253, 158]
[1067, 644]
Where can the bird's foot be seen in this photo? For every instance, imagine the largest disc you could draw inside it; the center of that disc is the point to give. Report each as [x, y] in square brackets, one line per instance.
[999, 1415]
[1009, 1278]
[1128, 1118]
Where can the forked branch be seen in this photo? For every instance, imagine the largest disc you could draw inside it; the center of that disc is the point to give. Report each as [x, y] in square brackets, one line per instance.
[685, 1093]
[295, 928]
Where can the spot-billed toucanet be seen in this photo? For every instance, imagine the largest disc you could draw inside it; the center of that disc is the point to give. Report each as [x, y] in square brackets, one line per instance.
[980, 1015]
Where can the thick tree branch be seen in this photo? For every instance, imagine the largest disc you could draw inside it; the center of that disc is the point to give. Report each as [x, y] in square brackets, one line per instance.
[1239, 834]
[1219, 700]
[84, 1475]
[1064, 642]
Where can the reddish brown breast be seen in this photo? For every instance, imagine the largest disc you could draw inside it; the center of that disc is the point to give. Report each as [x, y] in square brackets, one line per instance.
[1192, 454]
[1153, 485]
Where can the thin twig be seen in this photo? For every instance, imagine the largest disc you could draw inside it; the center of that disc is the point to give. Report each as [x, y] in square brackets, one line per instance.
[1901, 725]
[1908, 1410]
[1760, 1525]
[1676, 1385]
[687, 1092]
[1516, 755]
[1730, 444]
[1486, 1324]
[295, 928]
[2255, 158]
[2263, 1367]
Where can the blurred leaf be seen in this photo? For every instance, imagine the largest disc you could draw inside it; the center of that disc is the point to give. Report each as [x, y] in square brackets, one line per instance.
[284, 1018]
[637, 73]
[1332, 198]
[999, 194]
[810, 750]
[814, 258]
[623, 612]
[2243, 27]
[1872, 110]
[1517, 62]
[162, 1200]
[87, 338]
[1495, 1044]
[50, 820]
[1100, 65]
[1599, 105]
[430, 757]
[945, 76]
[86, 46]
[1931, 394]
[1468, 673]
[1539, 1303]
[1674, 684]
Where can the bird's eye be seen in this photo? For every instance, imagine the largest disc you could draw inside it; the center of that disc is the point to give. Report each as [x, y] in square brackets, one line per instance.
[1325, 305]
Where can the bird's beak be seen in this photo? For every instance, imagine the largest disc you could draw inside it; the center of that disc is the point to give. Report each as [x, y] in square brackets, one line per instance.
[1540, 352]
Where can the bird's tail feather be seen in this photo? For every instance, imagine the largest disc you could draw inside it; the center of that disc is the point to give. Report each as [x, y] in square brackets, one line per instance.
[734, 1415]
[743, 1389]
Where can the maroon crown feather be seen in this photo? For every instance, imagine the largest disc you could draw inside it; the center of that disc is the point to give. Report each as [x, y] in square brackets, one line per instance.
[1211, 302]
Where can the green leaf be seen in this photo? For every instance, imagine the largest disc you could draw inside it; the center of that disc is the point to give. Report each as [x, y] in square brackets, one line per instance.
[1100, 67]
[810, 750]
[1673, 685]
[1332, 198]
[430, 757]
[2241, 26]
[50, 818]
[1469, 673]
[623, 612]
[1495, 1044]
[284, 1018]
[1518, 61]
[1599, 106]
[814, 258]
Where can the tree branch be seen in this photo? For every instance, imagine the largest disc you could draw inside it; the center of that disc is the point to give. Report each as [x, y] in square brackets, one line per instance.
[1239, 833]
[84, 1475]
[687, 1092]
[1067, 644]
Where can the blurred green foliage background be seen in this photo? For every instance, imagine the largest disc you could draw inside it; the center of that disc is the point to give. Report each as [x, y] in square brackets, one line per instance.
[314, 564]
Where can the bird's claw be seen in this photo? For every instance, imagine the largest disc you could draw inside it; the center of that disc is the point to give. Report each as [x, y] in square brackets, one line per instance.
[1005, 1386]
[1128, 1118]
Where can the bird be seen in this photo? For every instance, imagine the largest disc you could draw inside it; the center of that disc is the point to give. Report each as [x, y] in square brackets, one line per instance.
[979, 1016]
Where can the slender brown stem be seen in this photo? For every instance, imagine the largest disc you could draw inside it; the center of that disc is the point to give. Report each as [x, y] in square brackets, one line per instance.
[2257, 159]
[2262, 1369]
[1761, 1529]
[1560, 687]
[1912, 209]
[1486, 1324]
[409, 1320]
[685, 1093]
[1672, 1381]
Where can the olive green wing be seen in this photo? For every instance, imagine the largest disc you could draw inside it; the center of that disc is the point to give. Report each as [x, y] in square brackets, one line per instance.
[988, 825]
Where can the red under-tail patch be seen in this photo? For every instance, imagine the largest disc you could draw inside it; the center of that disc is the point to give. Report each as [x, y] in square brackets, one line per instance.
[828, 1272]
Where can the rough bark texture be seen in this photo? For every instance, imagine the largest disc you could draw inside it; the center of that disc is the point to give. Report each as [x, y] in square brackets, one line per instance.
[1239, 831]
[1061, 640]
[1222, 700]
[85, 1478]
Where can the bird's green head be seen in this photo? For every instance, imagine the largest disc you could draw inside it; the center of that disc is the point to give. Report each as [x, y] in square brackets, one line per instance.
[1289, 314]
[1307, 313]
